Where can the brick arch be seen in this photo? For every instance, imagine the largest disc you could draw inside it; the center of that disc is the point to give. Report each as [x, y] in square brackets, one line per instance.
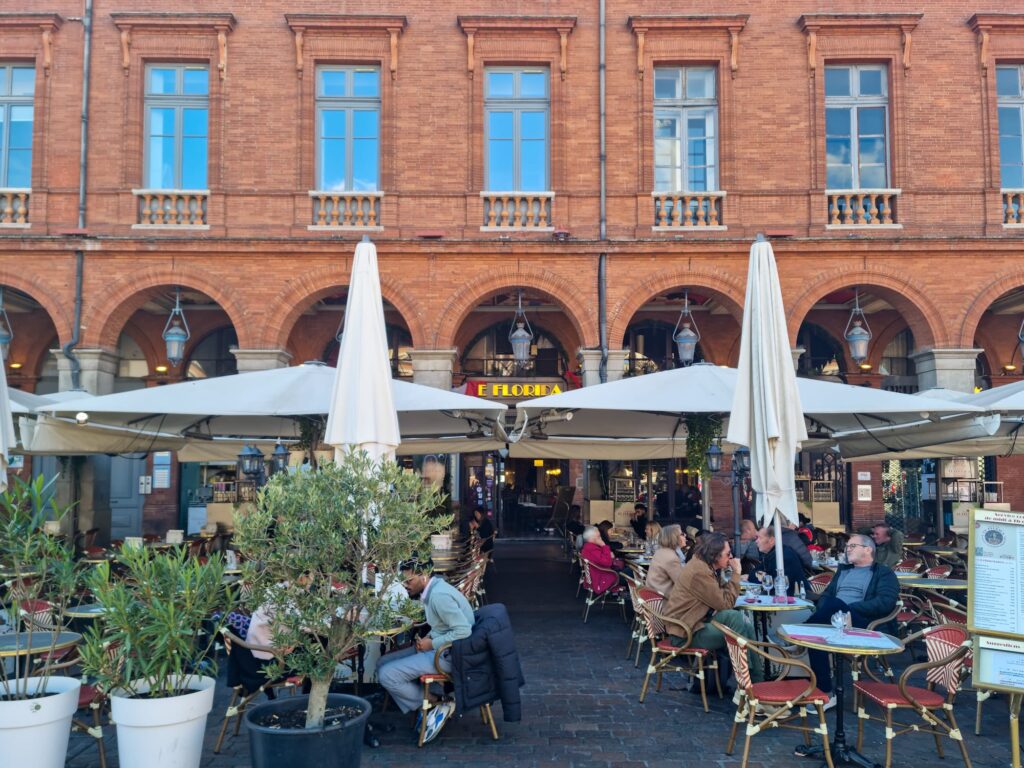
[44, 295]
[1001, 285]
[920, 313]
[126, 296]
[458, 307]
[729, 292]
[304, 290]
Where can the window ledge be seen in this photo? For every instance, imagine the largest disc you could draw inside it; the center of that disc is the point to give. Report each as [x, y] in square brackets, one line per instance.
[863, 227]
[344, 193]
[684, 193]
[516, 194]
[517, 229]
[691, 228]
[173, 227]
[1005, 226]
[342, 228]
[15, 226]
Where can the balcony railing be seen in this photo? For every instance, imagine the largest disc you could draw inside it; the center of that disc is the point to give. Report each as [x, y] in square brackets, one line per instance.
[687, 210]
[862, 207]
[14, 206]
[517, 210]
[345, 210]
[1013, 206]
[171, 207]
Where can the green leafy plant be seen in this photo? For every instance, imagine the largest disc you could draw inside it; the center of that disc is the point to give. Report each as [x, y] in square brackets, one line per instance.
[40, 573]
[702, 429]
[323, 550]
[156, 627]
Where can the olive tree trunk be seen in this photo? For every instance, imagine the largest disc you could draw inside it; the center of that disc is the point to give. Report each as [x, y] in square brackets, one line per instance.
[317, 704]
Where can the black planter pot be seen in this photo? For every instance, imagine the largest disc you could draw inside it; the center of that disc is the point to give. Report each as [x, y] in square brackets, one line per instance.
[337, 746]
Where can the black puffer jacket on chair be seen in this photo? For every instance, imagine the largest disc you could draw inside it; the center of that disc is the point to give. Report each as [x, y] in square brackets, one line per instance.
[485, 665]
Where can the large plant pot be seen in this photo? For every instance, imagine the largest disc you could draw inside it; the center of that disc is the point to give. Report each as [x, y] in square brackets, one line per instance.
[163, 733]
[337, 746]
[35, 731]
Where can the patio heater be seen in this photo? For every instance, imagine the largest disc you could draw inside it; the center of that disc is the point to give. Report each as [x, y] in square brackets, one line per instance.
[6, 332]
[687, 336]
[520, 336]
[279, 459]
[738, 471]
[176, 332]
[858, 332]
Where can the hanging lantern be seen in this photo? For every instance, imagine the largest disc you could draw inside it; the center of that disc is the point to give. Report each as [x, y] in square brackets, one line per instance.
[176, 332]
[279, 458]
[521, 334]
[858, 332]
[6, 332]
[713, 458]
[251, 460]
[685, 334]
[742, 457]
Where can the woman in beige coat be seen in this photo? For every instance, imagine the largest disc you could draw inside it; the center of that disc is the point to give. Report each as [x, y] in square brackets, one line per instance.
[667, 563]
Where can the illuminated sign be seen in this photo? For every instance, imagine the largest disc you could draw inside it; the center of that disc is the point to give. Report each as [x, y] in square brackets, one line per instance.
[494, 389]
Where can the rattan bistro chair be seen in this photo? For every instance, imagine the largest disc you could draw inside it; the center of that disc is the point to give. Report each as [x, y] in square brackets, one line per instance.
[440, 677]
[665, 657]
[616, 592]
[778, 702]
[948, 647]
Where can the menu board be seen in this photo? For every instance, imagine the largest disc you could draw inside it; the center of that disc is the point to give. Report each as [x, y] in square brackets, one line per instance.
[999, 664]
[995, 604]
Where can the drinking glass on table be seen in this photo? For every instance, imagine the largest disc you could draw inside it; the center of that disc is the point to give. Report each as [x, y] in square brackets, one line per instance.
[839, 622]
[759, 576]
[768, 581]
[781, 585]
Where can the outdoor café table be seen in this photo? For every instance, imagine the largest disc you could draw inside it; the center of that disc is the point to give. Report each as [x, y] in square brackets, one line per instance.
[84, 611]
[943, 584]
[6, 574]
[27, 644]
[913, 543]
[942, 551]
[762, 606]
[856, 642]
[905, 577]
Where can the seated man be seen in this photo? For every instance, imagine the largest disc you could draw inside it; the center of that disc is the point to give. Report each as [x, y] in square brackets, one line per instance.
[707, 589]
[638, 520]
[450, 617]
[888, 545]
[484, 528]
[791, 565]
[864, 588]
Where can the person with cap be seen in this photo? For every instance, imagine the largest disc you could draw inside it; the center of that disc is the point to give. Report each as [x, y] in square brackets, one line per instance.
[450, 617]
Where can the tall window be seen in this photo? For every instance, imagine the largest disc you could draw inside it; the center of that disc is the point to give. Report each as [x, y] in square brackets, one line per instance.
[857, 127]
[348, 128]
[517, 105]
[1010, 91]
[177, 126]
[685, 129]
[17, 88]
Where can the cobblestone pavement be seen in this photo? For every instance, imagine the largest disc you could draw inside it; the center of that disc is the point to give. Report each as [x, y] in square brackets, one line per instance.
[580, 703]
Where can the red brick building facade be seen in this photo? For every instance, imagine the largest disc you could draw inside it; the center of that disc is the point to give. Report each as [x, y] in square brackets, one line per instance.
[262, 255]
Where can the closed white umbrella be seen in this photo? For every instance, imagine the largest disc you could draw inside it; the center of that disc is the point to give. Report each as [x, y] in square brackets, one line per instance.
[7, 438]
[362, 412]
[766, 413]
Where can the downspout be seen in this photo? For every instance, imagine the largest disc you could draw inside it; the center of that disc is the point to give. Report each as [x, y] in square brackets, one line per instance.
[602, 285]
[83, 161]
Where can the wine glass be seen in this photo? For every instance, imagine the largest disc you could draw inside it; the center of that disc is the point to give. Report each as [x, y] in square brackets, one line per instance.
[768, 581]
[839, 622]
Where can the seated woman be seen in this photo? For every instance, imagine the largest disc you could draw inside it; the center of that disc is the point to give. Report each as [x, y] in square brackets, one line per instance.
[603, 527]
[597, 552]
[651, 531]
[667, 564]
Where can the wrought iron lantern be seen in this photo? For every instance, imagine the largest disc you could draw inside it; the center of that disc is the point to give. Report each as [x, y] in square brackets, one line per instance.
[251, 461]
[685, 334]
[520, 336]
[176, 332]
[858, 332]
[279, 458]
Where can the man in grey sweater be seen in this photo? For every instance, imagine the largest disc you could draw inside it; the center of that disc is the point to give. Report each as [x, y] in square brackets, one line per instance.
[450, 617]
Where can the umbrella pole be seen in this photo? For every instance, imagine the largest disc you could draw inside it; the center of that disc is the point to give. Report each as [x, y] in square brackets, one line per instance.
[736, 512]
[779, 567]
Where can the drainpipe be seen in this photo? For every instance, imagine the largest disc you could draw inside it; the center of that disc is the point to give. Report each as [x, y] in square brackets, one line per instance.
[602, 286]
[83, 161]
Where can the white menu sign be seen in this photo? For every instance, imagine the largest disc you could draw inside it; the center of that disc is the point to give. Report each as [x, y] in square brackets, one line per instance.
[996, 603]
[1000, 663]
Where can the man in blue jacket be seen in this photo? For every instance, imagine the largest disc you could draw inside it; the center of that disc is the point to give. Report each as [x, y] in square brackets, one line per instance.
[865, 589]
[450, 617]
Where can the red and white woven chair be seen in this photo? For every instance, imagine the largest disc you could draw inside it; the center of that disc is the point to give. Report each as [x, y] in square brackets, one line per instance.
[688, 660]
[637, 633]
[616, 592]
[909, 565]
[819, 582]
[778, 703]
[948, 647]
[439, 677]
[939, 572]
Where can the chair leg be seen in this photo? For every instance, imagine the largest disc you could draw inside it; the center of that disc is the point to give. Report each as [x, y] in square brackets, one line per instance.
[982, 695]
[960, 742]
[423, 719]
[490, 720]
[718, 681]
[647, 678]
[938, 745]
[639, 648]
[751, 714]
[224, 725]
[700, 679]
[860, 721]
[824, 735]
[805, 726]
[99, 741]
[736, 720]
[889, 736]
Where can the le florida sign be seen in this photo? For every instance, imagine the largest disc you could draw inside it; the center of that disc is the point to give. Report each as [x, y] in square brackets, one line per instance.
[504, 389]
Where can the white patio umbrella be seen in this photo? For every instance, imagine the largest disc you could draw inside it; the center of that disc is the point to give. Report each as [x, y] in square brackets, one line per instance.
[766, 415]
[7, 438]
[362, 412]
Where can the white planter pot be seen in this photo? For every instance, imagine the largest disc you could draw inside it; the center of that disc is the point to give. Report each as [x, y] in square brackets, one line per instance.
[35, 731]
[162, 733]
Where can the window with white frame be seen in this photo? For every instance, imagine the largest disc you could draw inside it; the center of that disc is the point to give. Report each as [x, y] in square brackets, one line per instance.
[348, 128]
[857, 126]
[1010, 92]
[17, 91]
[177, 105]
[685, 129]
[517, 108]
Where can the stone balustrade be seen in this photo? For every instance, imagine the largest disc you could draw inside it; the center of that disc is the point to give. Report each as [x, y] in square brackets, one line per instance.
[517, 210]
[862, 207]
[345, 210]
[1013, 206]
[688, 210]
[171, 207]
[14, 206]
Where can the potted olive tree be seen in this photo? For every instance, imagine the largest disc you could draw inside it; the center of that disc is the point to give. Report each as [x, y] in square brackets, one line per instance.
[323, 550]
[150, 650]
[38, 579]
